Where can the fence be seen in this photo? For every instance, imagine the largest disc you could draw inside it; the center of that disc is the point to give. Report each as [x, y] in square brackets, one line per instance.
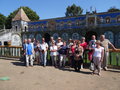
[16, 52]
[10, 51]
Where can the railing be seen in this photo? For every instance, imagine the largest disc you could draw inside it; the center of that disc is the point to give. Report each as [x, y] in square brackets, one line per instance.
[114, 57]
[10, 51]
[16, 52]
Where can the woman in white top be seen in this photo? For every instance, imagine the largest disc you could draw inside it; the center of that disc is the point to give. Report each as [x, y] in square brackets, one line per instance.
[98, 55]
[53, 54]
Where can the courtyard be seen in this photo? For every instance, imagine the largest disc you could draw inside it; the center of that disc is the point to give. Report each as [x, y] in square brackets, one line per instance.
[50, 78]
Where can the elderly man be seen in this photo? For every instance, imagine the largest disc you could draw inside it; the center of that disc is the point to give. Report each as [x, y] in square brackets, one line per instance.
[43, 49]
[105, 43]
[29, 48]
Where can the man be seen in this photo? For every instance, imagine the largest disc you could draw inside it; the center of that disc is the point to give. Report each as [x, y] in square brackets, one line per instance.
[91, 46]
[24, 50]
[105, 43]
[51, 40]
[43, 50]
[29, 53]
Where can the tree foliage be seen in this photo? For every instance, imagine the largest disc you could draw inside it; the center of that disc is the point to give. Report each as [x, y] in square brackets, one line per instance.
[113, 9]
[32, 15]
[2, 21]
[73, 10]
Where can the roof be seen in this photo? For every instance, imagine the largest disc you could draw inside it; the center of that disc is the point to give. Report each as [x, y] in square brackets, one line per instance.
[21, 16]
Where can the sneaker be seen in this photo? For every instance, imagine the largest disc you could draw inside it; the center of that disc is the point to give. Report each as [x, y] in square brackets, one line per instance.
[99, 74]
[105, 68]
[81, 66]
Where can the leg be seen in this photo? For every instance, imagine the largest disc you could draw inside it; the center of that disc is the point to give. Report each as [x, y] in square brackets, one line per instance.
[27, 60]
[95, 64]
[42, 58]
[99, 67]
[55, 61]
[61, 59]
[31, 60]
[105, 60]
[52, 59]
[64, 60]
[45, 58]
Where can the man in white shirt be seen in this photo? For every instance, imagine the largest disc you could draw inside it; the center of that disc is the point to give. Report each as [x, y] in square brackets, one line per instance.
[43, 50]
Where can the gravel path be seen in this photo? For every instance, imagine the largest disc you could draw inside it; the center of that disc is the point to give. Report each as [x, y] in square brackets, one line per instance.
[50, 78]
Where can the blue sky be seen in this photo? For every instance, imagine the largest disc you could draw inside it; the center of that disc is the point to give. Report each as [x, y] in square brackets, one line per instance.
[55, 8]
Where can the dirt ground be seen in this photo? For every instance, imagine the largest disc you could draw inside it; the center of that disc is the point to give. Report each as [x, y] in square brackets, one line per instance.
[50, 78]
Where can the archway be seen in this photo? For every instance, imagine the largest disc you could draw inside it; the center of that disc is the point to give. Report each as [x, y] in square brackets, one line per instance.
[89, 35]
[47, 37]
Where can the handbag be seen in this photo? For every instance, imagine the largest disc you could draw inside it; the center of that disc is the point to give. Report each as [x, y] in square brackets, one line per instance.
[91, 66]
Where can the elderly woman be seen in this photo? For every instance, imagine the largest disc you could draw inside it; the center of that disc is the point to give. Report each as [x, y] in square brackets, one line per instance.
[54, 53]
[98, 55]
[78, 57]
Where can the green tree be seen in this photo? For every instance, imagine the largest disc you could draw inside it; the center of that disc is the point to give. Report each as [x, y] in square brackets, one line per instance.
[2, 21]
[32, 15]
[113, 9]
[73, 10]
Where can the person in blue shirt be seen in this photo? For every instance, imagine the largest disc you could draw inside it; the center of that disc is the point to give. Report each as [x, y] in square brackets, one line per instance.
[29, 53]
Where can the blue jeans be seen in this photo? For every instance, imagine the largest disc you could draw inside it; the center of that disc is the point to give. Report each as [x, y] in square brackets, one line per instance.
[44, 58]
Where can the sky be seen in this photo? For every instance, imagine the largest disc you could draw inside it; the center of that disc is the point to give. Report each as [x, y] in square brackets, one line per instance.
[47, 9]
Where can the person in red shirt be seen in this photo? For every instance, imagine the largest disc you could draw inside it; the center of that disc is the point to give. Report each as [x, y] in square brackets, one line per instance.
[84, 45]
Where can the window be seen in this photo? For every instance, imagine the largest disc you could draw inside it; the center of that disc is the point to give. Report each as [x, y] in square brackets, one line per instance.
[108, 20]
[25, 28]
[16, 28]
[118, 19]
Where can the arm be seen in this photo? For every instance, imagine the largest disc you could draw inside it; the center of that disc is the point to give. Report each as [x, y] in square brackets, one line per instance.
[112, 45]
[102, 55]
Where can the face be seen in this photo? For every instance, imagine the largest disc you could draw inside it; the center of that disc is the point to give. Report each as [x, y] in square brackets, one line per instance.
[25, 40]
[43, 40]
[51, 38]
[102, 37]
[64, 43]
[29, 40]
[59, 40]
[93, 37]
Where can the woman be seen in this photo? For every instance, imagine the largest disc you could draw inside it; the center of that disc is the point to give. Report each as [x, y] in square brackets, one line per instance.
[54, 53]
[98, 55]
[78, 57]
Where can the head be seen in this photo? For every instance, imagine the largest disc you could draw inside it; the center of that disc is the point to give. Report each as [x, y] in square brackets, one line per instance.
[78, 43]
[74, 42]
[43, 40]
[38, 41]
[83, 39]
[51, 38]
[93, 37]
[102, 37]
[64, 43]
[33, 40]
[98, 43]
[53, 43]
[25, 40]
[59, 39]
[29, 40]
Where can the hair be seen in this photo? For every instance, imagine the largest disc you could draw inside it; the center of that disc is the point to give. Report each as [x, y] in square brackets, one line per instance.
[98, 42]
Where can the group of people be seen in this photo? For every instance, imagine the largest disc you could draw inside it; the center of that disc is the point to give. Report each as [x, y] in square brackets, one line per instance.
[72, 51]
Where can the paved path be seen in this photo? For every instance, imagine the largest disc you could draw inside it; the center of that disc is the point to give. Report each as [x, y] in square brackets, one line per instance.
[50, 78]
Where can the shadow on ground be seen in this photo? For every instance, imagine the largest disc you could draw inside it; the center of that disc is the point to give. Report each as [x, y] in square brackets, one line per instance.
[72, 70]
[18, 63]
